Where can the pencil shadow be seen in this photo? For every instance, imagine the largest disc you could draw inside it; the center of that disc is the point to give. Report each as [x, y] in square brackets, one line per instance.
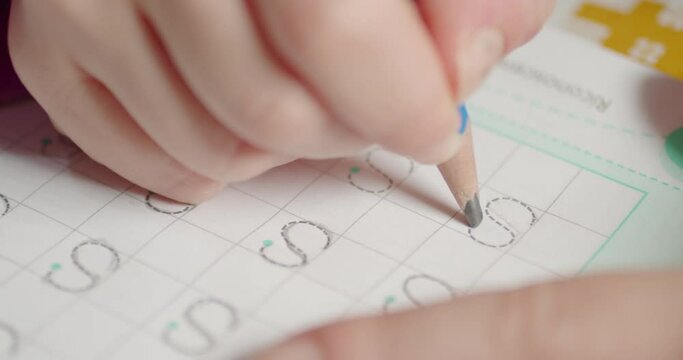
[661, 99]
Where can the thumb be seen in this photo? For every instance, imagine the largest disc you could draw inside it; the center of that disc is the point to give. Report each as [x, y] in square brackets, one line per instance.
[473, 35]
[613, 317]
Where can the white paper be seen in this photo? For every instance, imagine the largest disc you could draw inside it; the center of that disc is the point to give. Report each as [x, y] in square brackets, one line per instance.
[93, 267]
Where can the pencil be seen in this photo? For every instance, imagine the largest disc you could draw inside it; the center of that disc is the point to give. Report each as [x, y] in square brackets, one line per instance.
[460, 173]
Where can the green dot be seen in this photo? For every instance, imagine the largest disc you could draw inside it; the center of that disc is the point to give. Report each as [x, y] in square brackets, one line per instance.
[55, 266]
[674, 147]
[172, 325]
[390, 299]
[267, 243]
[355, 170]
[46, 141]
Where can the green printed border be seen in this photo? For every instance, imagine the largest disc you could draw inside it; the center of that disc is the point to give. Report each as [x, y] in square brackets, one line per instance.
[578, 151]
[569, 116]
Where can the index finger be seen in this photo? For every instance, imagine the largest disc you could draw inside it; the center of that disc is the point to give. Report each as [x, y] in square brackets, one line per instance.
[374, 65]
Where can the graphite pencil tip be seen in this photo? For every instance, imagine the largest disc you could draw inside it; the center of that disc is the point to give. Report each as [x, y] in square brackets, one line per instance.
[473, 212]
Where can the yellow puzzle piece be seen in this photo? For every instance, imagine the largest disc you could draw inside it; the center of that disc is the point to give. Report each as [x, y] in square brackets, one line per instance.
[651, 33]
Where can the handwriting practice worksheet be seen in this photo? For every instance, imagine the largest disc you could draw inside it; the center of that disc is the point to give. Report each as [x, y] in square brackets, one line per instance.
[577, 158]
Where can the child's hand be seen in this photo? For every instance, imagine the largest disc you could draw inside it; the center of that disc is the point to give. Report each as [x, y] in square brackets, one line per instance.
[183, 96]
[611, 317]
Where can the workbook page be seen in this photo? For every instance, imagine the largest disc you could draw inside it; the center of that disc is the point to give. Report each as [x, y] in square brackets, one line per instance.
[579, 156]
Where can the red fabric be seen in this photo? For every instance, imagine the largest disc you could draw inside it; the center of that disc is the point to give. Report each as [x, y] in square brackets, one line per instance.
[10, 86]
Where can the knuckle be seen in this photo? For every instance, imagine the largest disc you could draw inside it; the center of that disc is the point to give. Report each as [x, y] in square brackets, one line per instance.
[273, 117]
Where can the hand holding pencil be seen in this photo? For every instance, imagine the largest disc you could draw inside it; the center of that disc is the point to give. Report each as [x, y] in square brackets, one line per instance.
[183, 97]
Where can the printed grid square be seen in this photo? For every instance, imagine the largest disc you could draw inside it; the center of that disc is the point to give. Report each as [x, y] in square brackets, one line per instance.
[511, 272]
[280, 185]
[231, 215]
[388, 294]
[7, 269]
[144, 346]
[168, 318]
[135, 292]
[25, 234]
[94, 329]
[24, 172]
[349, 268]
[31, 352]
[7, 204]
[505, 221]
[71, 198]
[242, 278]
[194, 323]
[126, 224]
[392, 230]
[300, 304]
[558, 245]
[157, 203]
[269, 232]
[596, 202]
[408, 288]
[533, 177]
[426, 193]
[453, 257]
[100, 173]
[249, 337]
[491, 151]
[183, 251]
[96, 256]
[228, 334]
[25, 305]
[376, 171]
[289, 241]
[332, 203]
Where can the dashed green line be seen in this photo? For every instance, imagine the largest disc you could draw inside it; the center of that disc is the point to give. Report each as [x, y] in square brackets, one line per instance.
[571, 146]
[555, 110]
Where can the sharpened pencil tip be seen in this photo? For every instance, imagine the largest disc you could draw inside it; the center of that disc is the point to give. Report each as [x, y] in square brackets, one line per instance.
[473, 212]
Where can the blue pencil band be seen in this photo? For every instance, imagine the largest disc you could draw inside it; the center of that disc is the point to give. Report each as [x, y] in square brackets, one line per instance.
[465, 116]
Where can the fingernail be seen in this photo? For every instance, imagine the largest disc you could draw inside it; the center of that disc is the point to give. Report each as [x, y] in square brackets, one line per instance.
[295, 350]
[477, 59]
